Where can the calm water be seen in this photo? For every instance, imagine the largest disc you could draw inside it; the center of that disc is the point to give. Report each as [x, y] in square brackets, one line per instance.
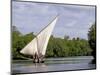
[53, 64]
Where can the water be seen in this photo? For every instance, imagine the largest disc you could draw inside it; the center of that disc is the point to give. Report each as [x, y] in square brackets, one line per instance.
[53, 64]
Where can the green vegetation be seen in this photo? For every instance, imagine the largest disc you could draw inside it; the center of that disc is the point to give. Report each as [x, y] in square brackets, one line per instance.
[92, 40]
[57, 47]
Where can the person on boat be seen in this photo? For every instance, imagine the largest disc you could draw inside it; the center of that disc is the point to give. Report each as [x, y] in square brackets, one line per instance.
[35, 58]
[41, 58]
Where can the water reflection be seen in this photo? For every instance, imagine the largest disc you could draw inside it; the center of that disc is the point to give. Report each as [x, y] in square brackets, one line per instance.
[53, 65]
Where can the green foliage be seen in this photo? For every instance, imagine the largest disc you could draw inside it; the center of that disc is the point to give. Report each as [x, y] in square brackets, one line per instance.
[57, 47]
[92, 37]
[19, 41]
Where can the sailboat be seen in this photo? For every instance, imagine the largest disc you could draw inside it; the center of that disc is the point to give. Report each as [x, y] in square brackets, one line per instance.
[37, 47]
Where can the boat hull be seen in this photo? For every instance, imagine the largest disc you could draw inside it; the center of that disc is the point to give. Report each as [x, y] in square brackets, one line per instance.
[38, 58]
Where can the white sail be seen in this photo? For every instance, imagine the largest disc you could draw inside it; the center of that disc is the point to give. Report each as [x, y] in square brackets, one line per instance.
[31, 48]
[43, 37]
[39, 43]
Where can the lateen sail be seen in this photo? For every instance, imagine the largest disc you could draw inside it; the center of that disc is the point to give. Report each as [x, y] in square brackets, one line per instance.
[39, 43]
[31, 48]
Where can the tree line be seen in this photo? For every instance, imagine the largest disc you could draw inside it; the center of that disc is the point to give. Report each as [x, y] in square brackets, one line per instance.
[57, 47]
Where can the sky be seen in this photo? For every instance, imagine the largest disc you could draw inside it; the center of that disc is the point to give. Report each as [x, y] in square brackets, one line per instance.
[73, 20]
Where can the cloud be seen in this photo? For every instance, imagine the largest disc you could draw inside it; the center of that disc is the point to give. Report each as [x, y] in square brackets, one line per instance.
[74, 20]
[71, 24]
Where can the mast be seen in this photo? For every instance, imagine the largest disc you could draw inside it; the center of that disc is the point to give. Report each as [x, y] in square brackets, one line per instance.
[44, 35]
[47, 25]
[39, 43]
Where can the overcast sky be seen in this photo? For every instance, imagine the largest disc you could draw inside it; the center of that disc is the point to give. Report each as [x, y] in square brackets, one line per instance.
[73, 21]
